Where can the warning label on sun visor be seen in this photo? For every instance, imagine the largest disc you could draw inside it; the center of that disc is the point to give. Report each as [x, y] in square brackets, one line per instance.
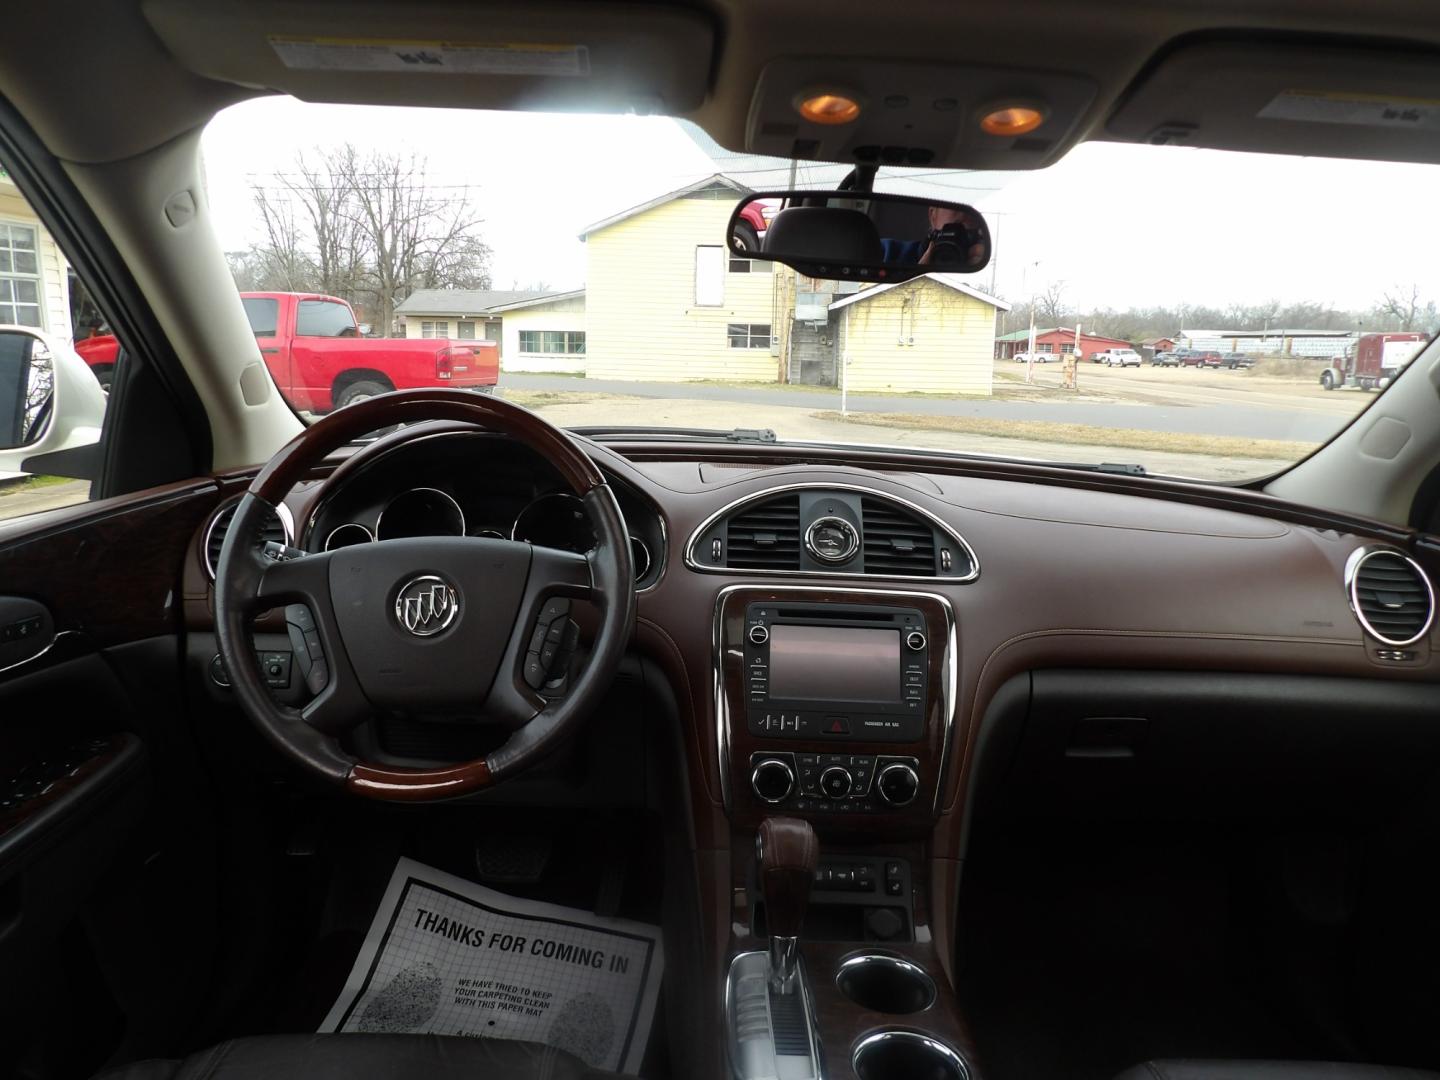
[430, 57]
[1368, 110]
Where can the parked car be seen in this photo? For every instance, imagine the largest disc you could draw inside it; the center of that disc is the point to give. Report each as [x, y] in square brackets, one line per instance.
[1116, 358]
[1040, 357]
[1234, 360]
[1170, 358]
[321, 359]
[1197, 358]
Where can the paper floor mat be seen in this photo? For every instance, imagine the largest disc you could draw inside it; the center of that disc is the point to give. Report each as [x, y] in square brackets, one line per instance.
[447, 957]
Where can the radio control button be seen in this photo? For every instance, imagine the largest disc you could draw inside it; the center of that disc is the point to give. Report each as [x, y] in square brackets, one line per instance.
[759, 635]
[897, 784]
[772, 780]
[915, 640]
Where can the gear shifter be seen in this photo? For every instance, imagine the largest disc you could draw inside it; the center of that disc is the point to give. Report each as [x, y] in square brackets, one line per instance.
[787, 853]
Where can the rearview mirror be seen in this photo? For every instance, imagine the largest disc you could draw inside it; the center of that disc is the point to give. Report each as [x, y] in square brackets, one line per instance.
[51, 406]
[860, 236]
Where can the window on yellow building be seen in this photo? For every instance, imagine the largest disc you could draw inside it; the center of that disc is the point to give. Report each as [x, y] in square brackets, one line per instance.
[435, 329]
[567, 342]
[748, 335]
[709, 276]
[750, 266]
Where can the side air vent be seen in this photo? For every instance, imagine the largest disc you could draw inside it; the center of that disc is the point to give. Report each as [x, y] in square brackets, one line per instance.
[278, 529]
[1391, 595]
[895, 540]
[765, 536]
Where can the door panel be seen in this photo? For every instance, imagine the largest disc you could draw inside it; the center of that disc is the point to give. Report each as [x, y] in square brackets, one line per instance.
[103, 804]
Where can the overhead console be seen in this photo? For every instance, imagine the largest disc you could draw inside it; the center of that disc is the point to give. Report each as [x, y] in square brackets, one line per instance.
[915, 114]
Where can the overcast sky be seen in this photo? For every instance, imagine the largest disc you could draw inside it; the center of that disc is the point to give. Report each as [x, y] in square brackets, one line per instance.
[1120, 225]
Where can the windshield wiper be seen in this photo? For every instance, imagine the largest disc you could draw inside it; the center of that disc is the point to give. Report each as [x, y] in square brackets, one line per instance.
[744, 435]
[1125, 469]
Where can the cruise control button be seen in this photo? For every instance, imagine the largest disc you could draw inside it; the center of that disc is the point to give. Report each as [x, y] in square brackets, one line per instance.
[534, 671]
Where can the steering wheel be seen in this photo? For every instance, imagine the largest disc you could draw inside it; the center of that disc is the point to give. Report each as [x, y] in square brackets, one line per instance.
[429, 624]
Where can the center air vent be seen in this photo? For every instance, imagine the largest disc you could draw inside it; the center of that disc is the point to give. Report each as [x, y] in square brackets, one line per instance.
[896, 541]
[278, 529]
[766, 536]
[1391, 596]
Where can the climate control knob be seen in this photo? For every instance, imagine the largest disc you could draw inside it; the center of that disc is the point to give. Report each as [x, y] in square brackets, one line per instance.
[897, 784]
[772, 780]
[836, 782]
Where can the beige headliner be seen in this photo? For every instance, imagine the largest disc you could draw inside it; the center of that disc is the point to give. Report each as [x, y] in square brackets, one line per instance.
[96, 83]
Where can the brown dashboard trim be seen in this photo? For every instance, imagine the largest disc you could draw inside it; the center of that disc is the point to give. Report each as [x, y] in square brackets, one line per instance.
[1241, 500]
[135, 544]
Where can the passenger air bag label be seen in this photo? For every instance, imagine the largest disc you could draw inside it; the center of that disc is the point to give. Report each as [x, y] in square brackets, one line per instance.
[430, 57]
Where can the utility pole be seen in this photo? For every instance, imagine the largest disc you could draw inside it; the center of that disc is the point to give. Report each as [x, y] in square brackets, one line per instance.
[1030, 350]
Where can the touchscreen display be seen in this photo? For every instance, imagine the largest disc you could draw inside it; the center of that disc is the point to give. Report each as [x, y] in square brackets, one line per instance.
[834, 663]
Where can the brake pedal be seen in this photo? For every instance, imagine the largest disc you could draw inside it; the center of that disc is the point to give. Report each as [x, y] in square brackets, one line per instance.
[511, 859]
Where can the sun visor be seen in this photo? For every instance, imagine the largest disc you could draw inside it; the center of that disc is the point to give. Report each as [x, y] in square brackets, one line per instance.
[1316, 100]
[586, 57]
[913, 114]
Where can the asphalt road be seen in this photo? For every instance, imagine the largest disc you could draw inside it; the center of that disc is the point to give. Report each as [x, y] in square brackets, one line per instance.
[1269, 418]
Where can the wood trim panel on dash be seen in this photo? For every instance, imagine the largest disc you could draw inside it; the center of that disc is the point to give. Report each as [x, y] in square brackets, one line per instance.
[113, 573]
[736, 744]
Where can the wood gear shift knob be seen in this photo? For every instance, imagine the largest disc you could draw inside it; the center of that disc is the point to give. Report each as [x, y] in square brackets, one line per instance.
[787, 853]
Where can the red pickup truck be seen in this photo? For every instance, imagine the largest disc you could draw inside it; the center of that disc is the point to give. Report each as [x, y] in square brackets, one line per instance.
[313, 348]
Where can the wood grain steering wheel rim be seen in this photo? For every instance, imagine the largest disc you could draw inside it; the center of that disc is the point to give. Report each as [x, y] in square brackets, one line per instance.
[499, 588]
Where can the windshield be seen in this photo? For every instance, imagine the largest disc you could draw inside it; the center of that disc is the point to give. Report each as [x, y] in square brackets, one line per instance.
[1187, 312]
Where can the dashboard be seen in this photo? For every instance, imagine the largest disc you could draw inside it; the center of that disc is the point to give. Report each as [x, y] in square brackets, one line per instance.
[470, 484]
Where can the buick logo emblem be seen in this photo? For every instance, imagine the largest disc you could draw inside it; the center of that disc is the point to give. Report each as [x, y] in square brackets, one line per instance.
[426, 605]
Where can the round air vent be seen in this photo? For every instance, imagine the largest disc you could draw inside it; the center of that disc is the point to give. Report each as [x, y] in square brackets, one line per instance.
[1390, 594]
[280, 528]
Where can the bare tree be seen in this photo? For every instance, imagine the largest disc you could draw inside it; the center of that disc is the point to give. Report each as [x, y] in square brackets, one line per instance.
[415, 238]
[1402, 303]
[282, 261]
[325, 191]
[369, 229]
[1050, 304]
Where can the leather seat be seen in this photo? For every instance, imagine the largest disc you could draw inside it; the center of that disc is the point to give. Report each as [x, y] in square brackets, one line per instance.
[367, 1057]
[1269, 1070]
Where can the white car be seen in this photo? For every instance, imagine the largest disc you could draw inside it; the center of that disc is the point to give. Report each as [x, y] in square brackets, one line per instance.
[1040, 357]
[1117, 358]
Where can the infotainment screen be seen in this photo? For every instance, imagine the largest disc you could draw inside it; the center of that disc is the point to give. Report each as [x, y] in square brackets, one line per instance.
[834, 663]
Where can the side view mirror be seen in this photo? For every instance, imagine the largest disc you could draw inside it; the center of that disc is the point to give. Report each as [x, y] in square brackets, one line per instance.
[860, 236]
[51, 406]
[365, 329]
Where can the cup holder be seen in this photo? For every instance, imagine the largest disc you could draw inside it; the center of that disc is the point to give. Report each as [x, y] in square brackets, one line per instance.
[885, 984]
[906, 1055]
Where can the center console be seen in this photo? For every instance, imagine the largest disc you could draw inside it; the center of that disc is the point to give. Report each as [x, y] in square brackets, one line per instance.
[835, 705]
[834, 711]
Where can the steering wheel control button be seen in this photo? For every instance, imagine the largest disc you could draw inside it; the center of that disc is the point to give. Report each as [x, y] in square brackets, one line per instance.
[915, 641]
[534, 671]
[832, 540]
[759, 635]
[897, 784]
[772, 780]
[426, 605]
[835, 782]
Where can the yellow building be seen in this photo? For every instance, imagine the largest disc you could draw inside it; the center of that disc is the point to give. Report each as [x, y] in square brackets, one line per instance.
[544, 334]
[932, 334]
[664, 301]
[34, 276]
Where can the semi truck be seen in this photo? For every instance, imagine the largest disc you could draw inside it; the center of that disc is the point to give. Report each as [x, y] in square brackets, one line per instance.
[1372, 360]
